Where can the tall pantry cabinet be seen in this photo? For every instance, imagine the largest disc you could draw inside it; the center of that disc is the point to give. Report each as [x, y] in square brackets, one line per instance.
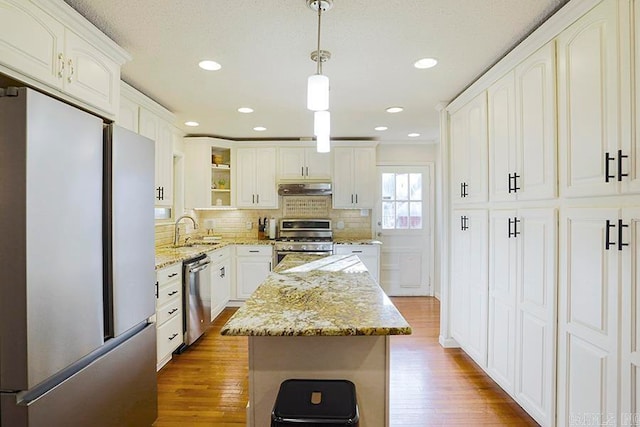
[563, 215]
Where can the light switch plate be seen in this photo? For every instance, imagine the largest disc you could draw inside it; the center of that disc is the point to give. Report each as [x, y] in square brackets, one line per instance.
[364, 212]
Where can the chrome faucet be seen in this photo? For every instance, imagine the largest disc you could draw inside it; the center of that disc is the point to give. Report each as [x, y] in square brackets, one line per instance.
[176, 236]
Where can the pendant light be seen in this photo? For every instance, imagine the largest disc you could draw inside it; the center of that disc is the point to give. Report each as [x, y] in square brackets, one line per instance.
[318, 85]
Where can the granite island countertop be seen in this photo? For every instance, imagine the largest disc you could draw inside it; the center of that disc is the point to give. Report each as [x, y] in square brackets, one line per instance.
[318, 296]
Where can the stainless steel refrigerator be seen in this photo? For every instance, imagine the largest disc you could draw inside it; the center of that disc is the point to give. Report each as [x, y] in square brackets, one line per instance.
[76, 268]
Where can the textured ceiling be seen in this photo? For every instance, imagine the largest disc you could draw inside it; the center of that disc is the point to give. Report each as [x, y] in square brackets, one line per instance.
[264, 47]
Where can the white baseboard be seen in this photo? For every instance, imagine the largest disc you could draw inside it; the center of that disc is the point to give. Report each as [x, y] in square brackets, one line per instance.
[448, 342]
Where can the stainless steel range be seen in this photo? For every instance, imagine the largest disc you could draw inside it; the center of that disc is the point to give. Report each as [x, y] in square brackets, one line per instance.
[303, 235]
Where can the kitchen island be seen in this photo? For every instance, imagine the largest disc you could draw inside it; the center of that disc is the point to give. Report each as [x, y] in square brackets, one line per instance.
[319, 318]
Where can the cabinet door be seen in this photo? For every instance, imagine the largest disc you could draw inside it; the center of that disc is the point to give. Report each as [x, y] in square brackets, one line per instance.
[502, 141]
[631, 165]
[32, 42]
[220, 291]
[536, 125]
[470, 282]
[630, 348]
[128, 115]
[587, 315]
[588, 102]
[535, 313]
[250, 273]
[246, 177]
[292, 163]
[90, 75]
[265, 166]
[469, 151]
[502, 298]
[364, 177]
[343, 178]
[164, 147]
[318, 165]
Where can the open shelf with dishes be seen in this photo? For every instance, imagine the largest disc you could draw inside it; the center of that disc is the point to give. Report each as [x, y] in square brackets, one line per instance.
[208, 183]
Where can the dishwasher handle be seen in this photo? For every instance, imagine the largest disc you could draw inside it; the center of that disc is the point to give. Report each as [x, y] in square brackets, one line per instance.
[199, 267]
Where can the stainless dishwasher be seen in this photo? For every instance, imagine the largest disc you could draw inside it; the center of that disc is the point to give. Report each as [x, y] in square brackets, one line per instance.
[196, 300]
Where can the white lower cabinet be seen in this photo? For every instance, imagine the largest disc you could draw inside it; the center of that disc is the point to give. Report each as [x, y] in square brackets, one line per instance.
[220, 280]
[168, 312]
[368, 254]
[469, 282]
[597, 370]
[630, 346]
[521, 320]
[253, 264]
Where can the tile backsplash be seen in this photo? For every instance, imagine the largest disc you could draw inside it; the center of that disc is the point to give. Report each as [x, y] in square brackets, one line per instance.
[233, 224]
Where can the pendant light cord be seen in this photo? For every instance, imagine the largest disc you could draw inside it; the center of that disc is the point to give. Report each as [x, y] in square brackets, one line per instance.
[319, 59]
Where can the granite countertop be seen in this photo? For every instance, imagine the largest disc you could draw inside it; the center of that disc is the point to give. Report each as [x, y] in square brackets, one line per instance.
[312, 296]
[167, 255]
[356, 242]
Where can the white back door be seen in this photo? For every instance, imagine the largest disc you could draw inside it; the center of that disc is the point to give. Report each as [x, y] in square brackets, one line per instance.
[404, 223]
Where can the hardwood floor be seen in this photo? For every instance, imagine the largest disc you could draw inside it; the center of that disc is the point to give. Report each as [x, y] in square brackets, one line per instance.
[430, 385]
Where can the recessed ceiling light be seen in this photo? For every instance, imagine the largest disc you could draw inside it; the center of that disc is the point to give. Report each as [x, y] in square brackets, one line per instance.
[381, 128]
[209, 65]
[245, 110]
[192, 124]
[425, 63]
[260, 128]
[394, 109]
[413, 135]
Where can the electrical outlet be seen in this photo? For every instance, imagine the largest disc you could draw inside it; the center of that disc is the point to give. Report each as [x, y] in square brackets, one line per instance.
[248, 225]
[364, 212]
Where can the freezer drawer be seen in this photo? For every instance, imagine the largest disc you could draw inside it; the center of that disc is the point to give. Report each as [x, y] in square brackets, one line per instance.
[117, 389]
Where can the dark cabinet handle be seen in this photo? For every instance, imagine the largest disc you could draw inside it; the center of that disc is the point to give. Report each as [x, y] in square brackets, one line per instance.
[172, 293]
[222, 272]
[607, 159]
[160, 191]
[253, 198]
[356, 252]
[172, 275]
[620, 227]
[513, 222]
[464, 226]
[607, 235]
[620, 157]
[352, 198]
[302, 170]
[257, 199]
[172, 311]
[463, 189]
[269, 265]
[172, 337]
[254, 251]
[356, 199]
[157, 290]
[307, 170]
[513, 182]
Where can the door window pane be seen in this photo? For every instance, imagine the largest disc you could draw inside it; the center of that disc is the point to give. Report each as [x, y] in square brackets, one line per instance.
[402, 186]
[402, 201]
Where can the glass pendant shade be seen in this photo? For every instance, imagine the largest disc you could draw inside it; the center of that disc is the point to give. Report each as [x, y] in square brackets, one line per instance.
[321, 123]
[318, 92]
[323, 145]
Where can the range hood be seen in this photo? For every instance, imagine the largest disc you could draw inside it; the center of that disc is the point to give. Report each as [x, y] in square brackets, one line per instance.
[305, 189]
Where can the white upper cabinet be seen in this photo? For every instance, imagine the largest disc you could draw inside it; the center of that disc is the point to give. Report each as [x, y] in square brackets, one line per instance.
[354, 177]
[128, 115]
[298, 163]
[469, 152]
[588, 105]
[32, 41]
[522, 136]
[203, 177]
[631, 165]
[56, 52]
[256, 178]
[153, 127]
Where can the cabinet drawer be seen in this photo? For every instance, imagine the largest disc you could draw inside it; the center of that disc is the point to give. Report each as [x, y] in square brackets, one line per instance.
[167, 274]
[169, 337]
[356, 250]
[254, 250]
[169, 310]
[219, 255]
[167, 292]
